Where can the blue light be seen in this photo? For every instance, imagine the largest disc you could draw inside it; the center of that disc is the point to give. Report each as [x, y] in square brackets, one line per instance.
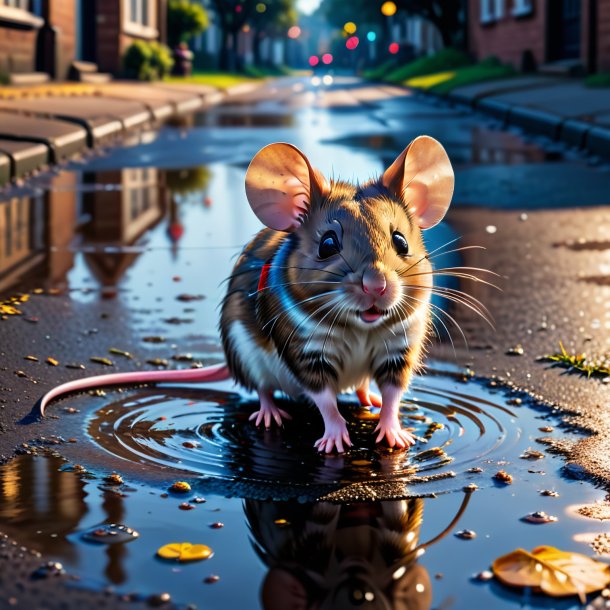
[371, 36]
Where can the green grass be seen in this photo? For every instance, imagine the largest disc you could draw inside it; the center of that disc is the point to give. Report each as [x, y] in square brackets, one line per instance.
[222, 80]
[380, 72]
[588, 365]
[443, 61]
[469, 75]
[598, 80]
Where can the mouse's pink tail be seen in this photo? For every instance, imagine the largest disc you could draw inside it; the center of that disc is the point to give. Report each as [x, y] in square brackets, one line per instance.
[217, 372]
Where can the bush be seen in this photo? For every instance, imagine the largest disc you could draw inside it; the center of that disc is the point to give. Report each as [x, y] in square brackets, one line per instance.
[185, 20]
[147, 60]
[598, 80]
[447, 59]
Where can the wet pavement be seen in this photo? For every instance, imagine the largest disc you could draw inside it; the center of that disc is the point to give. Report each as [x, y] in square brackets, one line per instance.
[127, 251]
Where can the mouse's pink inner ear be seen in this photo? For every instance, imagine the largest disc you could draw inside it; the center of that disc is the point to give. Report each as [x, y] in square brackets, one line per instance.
[279, 185]
[423, 177]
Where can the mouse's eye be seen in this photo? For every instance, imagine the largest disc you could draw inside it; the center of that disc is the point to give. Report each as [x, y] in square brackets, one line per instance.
[329, 245]
[400, 243]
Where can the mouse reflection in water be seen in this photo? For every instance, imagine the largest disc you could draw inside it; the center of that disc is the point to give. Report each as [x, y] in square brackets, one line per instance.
[325, 556]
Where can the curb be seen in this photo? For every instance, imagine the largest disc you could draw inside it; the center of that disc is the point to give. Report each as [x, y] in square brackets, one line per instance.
[573, 132]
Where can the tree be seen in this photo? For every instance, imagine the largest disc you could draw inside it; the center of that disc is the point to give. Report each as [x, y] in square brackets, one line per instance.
[274, 20]
[449, 16]
[184, 20]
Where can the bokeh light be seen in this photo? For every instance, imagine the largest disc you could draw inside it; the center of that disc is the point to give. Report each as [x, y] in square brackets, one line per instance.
[315, 81]
[239, 8]
[350, 27]
[314, 60]
[393, 48]
[327, 79]
[261, 7]
[388, 9]
[245, 28]
[371, 36]
[294, 32]
[327, 58]
[352, 42]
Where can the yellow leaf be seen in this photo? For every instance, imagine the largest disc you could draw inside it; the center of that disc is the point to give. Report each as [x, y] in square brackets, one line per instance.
[552, 571]
[185, 551]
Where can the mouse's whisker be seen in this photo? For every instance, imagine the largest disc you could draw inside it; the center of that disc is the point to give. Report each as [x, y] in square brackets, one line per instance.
[284, 311]
[461, 298]
[273, 286]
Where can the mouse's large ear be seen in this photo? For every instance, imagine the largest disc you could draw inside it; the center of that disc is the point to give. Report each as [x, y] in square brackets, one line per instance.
[280, 184]
[423, 177]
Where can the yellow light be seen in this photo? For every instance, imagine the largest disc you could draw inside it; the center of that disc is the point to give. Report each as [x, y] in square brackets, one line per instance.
[350, 27]
[261, 8]
[388, 9]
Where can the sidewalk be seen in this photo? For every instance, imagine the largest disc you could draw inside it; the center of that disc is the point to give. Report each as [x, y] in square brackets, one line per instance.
[40, 125]
[562, 109]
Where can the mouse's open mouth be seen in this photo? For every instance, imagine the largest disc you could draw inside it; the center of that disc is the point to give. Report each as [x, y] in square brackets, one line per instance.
[372, 314]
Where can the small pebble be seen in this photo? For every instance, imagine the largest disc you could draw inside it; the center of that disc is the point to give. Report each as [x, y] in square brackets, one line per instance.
[549, 493]
[516, 402]
[503, 477]
[211, 579]
[47, 570]
[180, 487]
[114, 479]
[198, 500]
[110, 533]
[186, 506]
[475, 470]
[465, 534]
[532, 454]
[471, 487]
[539, 517]
[216, 526]
[546, 429]
[483, 576]
[159, 599]
[515, 351]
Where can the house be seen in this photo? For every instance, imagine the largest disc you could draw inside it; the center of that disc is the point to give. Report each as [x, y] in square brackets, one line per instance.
[41, 39]
[568, 34]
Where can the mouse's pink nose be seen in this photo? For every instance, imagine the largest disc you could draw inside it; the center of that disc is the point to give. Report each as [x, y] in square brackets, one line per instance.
[373, 282]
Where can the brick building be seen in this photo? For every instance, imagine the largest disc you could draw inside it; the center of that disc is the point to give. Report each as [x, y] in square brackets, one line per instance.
[528, 33]
[40, 39]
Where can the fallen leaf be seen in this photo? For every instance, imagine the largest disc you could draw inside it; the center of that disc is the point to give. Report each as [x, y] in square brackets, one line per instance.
[185, 551]
[551, 571]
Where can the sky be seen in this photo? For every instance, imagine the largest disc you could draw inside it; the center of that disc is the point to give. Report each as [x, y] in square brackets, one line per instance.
[307, 6]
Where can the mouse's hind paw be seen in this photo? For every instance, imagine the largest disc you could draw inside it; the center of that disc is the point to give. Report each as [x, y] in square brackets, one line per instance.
[269, 412]
[394, 434]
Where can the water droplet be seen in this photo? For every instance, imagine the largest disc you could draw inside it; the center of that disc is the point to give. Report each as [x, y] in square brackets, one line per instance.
[491, 229]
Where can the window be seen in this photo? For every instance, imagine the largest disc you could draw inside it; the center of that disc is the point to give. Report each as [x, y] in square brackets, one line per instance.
[24, 5]
[138, 12]
[140, 18]
[522, 8]
[20, 13]
[492, 10]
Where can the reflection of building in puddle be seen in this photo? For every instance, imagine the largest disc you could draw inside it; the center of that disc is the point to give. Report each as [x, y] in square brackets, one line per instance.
[500, 147]
[341, 556]
[122, 207]
[42, 503]
[35, 234]
[110, 210]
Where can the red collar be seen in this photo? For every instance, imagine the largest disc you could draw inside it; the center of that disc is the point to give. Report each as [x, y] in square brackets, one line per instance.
[264, 277]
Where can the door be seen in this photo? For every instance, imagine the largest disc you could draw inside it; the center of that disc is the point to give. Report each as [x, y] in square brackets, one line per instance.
[86, 30]
[564, 29]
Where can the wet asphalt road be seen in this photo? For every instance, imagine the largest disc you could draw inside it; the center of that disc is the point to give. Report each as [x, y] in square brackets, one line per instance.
[122, 255]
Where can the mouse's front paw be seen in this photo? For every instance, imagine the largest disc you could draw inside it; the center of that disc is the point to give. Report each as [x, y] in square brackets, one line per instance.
[268, 413]
[394, 434]
[335, 436]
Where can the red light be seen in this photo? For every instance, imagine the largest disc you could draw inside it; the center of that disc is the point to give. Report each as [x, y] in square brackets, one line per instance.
[327, 58]
[393, 48]
[239, 8]
[314, 61]
[352, 42]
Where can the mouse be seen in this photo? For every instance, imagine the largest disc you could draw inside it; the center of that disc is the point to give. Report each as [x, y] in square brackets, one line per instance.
[332, 294]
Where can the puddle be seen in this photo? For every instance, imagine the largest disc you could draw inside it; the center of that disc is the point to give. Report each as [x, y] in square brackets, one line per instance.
[277, 546]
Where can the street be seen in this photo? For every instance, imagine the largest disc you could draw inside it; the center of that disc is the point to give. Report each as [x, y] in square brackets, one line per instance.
[128, 250]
